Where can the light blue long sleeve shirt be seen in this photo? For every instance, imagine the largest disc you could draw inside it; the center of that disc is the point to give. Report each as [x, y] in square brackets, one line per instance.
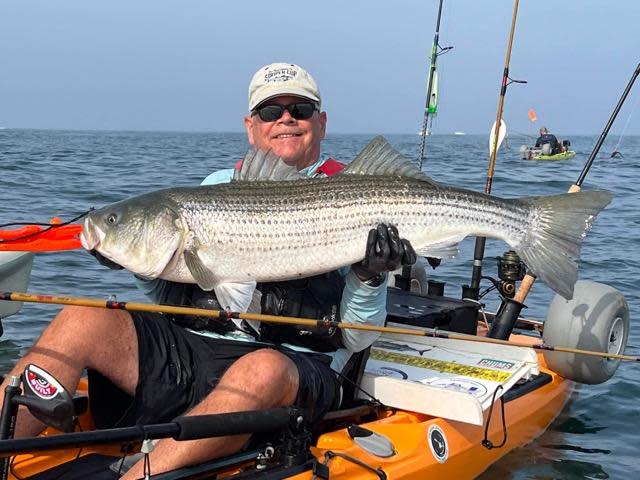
[361, 303]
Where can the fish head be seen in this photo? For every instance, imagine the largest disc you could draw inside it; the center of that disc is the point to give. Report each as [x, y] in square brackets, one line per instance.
[144, 234]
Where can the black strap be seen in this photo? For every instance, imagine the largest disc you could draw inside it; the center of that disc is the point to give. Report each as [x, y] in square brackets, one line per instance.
[486, 443]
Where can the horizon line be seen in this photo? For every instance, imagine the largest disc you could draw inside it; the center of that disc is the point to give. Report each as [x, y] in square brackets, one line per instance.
[456, 133]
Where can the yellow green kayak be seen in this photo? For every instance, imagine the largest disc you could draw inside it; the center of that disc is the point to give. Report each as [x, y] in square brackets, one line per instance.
[538, 153]
[558, 156]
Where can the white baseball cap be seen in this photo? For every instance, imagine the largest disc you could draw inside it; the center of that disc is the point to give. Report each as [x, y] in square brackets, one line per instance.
[279, 79]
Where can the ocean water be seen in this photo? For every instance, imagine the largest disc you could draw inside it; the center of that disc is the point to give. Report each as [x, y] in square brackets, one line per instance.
[64, 173]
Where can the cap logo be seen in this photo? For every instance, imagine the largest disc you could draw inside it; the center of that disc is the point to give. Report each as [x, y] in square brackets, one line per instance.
[280, 75]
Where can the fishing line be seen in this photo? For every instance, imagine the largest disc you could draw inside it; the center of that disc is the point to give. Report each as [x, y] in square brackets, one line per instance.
[624, 129]
[40, 232]
[482, 310]
[344, 377]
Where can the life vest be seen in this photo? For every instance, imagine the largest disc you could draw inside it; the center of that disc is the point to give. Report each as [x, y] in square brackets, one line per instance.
[330, 167]
[315, 297]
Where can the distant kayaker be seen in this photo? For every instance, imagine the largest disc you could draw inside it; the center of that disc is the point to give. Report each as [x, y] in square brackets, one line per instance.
[548, 138]
[150, 368]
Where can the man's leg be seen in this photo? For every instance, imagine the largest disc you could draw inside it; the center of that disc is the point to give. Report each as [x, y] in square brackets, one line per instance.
[262, 379]
[79, 338]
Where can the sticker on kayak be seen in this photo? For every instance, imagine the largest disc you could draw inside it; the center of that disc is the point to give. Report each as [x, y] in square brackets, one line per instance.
[41, 383]
[439, 365]
[461, 385]
[438, 443]
[493, 363]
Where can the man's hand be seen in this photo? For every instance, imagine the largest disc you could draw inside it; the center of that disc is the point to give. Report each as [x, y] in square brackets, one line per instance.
[102, 260]
[386, 251]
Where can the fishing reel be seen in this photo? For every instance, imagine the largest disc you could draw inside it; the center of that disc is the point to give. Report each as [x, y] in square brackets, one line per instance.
[510, 270]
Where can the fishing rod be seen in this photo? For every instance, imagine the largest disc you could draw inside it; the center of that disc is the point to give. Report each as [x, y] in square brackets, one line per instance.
[436, 51]
[497, 135]
[229, 315]
[528, 280]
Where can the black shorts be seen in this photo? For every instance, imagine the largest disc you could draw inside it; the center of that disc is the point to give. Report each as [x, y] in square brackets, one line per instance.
[178, 368]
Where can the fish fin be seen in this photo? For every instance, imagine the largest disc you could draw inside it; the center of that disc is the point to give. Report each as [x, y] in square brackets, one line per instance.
[236, 296]
[264, 165]
[201, 274]
[445, 248]
[444, 251]
[239, 297]
[561, 224]
[380, 158]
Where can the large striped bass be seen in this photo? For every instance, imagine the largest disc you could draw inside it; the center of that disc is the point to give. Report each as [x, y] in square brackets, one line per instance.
[270, 224]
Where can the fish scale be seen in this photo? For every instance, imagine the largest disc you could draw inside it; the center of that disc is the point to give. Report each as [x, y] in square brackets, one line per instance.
[285, 229]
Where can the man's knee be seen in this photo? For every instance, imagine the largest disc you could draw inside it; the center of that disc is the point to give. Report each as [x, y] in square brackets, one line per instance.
[267, 371]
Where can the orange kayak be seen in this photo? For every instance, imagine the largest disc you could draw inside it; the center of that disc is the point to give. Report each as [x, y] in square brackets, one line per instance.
[423, 446]
[35, 238]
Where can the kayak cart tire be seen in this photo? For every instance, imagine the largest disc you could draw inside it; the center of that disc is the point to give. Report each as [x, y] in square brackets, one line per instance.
[597, 318]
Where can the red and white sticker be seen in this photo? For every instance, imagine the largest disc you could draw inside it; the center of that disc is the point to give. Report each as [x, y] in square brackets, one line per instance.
[41, 383]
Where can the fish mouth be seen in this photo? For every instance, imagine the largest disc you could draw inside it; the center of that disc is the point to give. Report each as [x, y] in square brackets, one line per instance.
[91, 235]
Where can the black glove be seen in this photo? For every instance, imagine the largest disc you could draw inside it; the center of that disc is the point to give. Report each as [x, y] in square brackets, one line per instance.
[102, 260]
[386, 251]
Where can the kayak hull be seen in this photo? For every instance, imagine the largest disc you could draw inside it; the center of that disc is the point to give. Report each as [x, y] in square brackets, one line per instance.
[15, 272]
[559, 156]
[534, 153]
[527, 417]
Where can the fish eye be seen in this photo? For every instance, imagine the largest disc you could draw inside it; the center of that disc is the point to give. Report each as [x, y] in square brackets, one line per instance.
[112, 219]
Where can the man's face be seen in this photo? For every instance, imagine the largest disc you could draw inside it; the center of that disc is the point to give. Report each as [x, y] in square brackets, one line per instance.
[296, 141]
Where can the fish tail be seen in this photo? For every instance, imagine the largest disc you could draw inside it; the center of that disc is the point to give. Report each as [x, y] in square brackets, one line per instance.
[552, 246]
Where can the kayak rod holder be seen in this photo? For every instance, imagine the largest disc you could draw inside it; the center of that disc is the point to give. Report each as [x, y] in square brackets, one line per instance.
[505, 318]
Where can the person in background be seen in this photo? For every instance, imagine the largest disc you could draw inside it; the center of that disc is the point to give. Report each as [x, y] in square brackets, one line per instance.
[151, 367]
[548, 138]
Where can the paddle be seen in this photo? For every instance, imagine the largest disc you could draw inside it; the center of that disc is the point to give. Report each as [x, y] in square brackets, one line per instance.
[227, 315]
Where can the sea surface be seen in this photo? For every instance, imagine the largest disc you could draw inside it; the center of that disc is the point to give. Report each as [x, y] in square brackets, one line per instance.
[64, 173]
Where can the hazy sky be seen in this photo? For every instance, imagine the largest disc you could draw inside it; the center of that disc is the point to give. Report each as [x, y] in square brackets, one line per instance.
[185, 65]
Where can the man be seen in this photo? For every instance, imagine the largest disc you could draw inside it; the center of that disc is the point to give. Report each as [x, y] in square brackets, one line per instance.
[164, 366]
[548, 138]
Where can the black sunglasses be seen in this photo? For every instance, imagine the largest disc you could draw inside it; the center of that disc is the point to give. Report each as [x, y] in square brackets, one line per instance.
[299, 111]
